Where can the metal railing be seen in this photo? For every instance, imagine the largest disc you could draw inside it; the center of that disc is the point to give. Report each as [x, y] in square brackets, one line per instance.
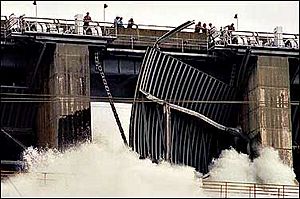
[97, 28]
[221, 189]
[124, 35]
[58, 25]
[61, 26]
[250, 38]
[53, 25]
[250, 190]
[175, 42]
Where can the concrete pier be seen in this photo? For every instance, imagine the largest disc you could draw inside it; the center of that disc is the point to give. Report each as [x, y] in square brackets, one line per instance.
[68, 84]
[269, 108]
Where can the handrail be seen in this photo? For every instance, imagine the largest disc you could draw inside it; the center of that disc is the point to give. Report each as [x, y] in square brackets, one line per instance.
[222, 188]
[251, 183]
[245, 31]
[139, 25]
[177, 42]
[225, 37]
[34, 19]
[225, 188]
[109, 23]
[249, 38]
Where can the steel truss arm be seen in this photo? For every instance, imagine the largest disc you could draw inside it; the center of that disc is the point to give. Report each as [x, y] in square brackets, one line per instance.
[231, 130]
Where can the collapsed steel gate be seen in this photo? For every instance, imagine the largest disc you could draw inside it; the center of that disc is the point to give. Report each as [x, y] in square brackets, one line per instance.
[190, 141]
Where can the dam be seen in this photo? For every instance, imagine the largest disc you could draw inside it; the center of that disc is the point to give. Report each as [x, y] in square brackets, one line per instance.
[245, 80]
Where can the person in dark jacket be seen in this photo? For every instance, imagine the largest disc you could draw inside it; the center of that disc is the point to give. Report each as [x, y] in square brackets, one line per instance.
[86, 20]
[116, 21]
[204, 28]
[120, 23]
[198, 27]
[131, 23]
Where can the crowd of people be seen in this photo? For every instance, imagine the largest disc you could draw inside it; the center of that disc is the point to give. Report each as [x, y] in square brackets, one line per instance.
[119, 23]
[18, 24]
[211, 31]
[202, 28]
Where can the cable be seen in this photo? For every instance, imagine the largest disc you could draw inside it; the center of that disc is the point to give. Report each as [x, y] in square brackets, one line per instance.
[131, 100]
[52, 97]
[138, 101]
[15, 140]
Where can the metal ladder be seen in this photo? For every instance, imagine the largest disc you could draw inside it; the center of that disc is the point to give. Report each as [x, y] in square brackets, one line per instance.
[110, 98]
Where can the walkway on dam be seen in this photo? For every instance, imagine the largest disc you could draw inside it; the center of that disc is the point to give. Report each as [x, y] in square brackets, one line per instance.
[141, 36]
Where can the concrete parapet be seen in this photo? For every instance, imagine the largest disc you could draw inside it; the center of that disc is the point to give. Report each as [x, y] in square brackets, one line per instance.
[146, 37]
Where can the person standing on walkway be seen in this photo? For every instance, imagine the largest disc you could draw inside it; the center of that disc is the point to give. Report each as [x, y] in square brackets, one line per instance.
[86, 22]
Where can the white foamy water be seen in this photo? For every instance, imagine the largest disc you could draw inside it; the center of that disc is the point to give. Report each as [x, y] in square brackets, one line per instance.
[237, 167]
[106, 168]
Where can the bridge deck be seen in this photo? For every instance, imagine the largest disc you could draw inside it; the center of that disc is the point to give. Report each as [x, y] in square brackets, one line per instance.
[103, 33]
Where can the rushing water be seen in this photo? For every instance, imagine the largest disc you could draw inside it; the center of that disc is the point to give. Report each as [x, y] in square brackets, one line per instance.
[106, 168]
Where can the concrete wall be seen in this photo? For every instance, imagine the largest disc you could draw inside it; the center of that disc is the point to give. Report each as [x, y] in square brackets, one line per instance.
[68, 83]
[147, 37]
[159, 33]
[269, 108]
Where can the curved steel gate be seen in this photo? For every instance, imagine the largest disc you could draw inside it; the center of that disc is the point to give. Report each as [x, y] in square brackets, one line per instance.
[191, 141]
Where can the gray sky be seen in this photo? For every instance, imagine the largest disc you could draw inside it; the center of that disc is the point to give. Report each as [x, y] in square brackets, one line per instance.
[252, 15]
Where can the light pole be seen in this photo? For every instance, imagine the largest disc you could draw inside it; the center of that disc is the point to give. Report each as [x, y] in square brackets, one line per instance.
[237, 21]
[34, 3]
[105, 6]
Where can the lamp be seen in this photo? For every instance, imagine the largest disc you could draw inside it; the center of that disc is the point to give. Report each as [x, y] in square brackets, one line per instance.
[105, 6]
[34, 3]
[237, 22]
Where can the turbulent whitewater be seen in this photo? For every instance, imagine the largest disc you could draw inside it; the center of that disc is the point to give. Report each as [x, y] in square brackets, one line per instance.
[106, 168]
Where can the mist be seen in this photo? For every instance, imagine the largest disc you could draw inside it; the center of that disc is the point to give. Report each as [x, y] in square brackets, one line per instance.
[105, 167]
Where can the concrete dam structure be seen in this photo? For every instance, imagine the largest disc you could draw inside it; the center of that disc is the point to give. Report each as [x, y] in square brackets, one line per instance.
[193, 97]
